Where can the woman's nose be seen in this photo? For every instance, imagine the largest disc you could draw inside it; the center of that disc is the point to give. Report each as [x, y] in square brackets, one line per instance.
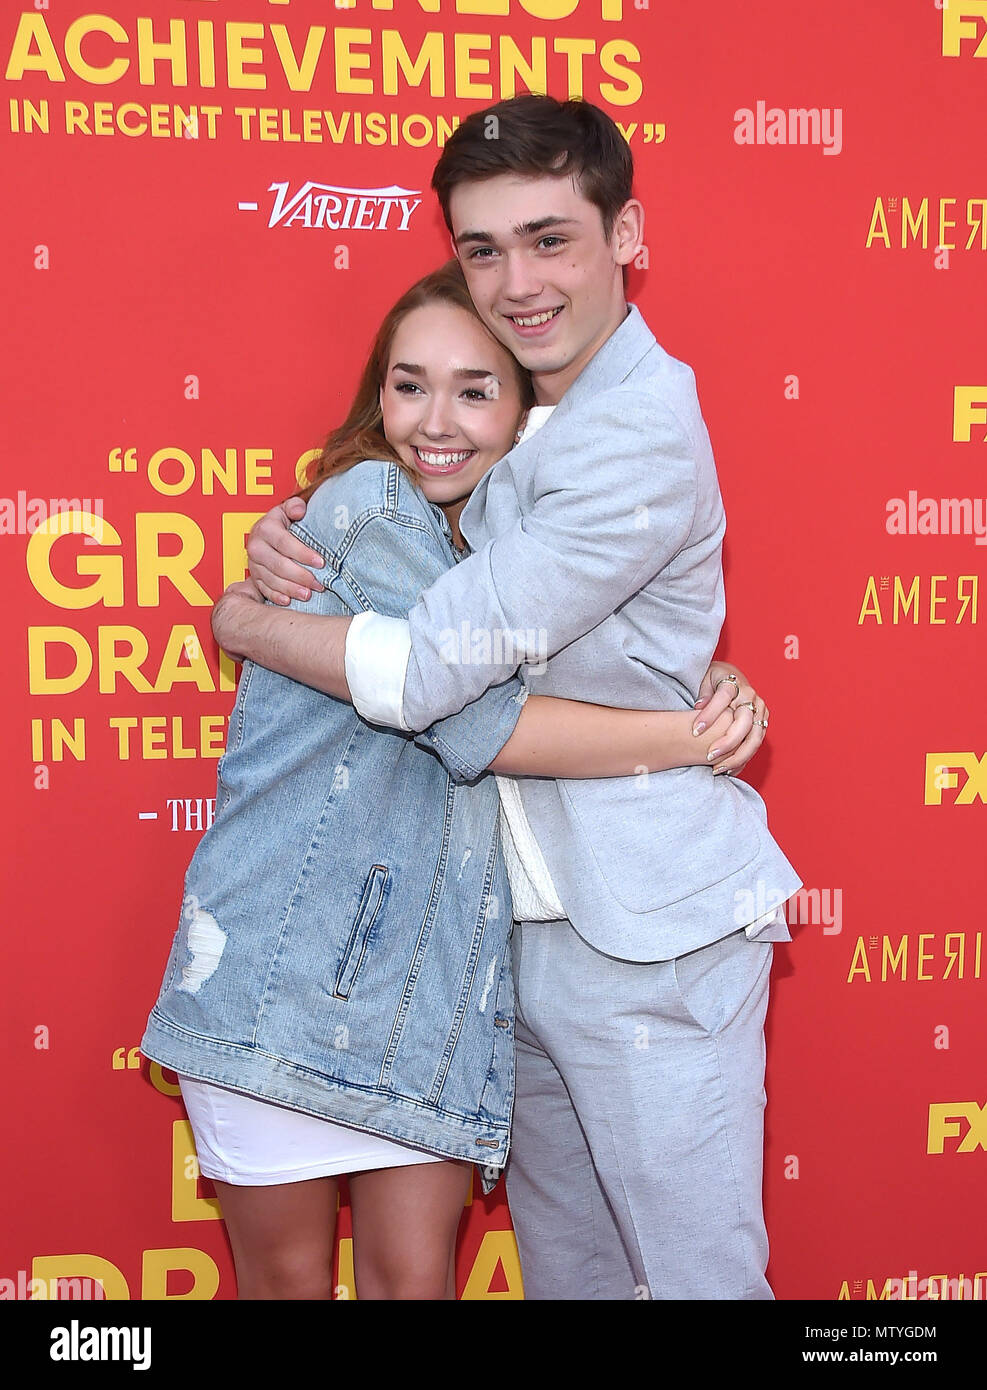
[436, 418]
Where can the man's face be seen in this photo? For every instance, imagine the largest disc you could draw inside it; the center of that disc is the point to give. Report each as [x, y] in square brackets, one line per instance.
[532, 247]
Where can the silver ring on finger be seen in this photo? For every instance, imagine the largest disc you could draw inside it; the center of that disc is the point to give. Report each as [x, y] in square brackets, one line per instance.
[731, 677]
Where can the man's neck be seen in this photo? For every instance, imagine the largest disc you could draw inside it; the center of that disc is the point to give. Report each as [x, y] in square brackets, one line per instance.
[550, 387]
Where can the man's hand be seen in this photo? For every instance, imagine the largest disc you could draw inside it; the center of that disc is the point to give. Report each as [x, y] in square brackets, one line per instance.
[228, 613]
[306, 647]
[750, 718]
[274, 553]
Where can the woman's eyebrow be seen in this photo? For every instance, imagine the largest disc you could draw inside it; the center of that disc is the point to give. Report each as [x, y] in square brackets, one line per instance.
[464, 373]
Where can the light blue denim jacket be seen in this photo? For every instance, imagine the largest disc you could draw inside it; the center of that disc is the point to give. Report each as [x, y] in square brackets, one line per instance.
[344, 942]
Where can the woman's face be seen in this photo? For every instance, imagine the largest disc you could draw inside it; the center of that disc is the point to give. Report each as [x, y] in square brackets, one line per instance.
[450, 400]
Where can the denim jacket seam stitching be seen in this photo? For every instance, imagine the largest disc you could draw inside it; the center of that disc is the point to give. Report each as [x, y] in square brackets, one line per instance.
[463, 765]
[479, 931]
[432, 907]
[338, 554]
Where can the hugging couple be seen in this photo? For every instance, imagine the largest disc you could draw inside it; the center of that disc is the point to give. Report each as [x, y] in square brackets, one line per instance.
[478, 873]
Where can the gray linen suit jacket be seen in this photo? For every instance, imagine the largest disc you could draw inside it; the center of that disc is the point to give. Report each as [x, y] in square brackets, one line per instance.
[597, 544]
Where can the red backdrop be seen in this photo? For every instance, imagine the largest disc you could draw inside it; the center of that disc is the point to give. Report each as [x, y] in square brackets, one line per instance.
[183, 327]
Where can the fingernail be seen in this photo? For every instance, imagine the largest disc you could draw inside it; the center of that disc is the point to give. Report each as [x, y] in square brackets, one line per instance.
[698, 728]
[304, 593]
[712, 756]
[700, 702]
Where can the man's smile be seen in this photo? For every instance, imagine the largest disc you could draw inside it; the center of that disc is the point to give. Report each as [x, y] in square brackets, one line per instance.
[534, 322]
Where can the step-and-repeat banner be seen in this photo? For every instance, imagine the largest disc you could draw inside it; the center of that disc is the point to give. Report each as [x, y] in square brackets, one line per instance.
[209, 206]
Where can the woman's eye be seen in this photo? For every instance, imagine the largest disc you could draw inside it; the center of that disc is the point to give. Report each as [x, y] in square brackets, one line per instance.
[475, 394]
[405, 386]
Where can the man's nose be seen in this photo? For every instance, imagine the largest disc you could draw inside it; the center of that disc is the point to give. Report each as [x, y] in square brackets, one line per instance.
[521, 280]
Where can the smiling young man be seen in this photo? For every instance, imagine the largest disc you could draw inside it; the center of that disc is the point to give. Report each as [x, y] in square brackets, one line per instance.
[641, 978]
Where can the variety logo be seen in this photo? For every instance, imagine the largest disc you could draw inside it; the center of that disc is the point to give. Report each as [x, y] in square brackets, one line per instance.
[340, 208]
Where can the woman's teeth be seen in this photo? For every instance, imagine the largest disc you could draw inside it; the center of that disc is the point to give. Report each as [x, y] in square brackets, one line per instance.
[444, 460]
[535, 319]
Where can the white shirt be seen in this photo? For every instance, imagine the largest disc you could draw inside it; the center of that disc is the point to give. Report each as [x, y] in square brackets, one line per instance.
[535, 898]
[376, 661]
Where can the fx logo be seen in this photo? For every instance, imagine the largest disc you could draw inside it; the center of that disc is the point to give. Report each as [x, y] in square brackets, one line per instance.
[943, 770]
[969, 409]
[945, 1122]
[961, 19]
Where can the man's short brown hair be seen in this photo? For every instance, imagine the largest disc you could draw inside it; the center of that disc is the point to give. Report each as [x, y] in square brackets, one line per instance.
[539, 136]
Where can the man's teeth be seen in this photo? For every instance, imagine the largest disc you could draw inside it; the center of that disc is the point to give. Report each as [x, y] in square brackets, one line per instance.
[536, 319]
[443, 460]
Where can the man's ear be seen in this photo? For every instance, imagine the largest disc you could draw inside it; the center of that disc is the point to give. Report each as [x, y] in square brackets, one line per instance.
[628, 232]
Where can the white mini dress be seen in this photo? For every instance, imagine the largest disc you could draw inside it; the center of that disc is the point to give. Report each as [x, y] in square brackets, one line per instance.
[250, 1142]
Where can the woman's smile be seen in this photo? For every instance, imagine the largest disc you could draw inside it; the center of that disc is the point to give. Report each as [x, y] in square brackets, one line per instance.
[442, 461]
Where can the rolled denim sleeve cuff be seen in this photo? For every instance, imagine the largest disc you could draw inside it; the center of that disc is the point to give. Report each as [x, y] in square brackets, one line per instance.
[469, 741]
[376, 662]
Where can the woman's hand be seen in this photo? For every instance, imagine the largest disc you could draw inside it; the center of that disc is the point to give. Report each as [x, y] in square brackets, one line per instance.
[273, 553]
[716, 734]
[749, 712]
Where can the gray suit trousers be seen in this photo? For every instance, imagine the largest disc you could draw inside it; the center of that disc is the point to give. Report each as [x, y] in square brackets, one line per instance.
[637, 1150]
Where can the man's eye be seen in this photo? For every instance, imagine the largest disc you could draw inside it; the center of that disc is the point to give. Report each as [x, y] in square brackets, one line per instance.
[560, 240]
[480, 253]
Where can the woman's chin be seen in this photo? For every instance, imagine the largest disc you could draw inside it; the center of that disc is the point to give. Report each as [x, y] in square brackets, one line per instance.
[453, 487]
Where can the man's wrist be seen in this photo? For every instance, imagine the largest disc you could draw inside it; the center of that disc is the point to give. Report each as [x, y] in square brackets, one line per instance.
[234, 624]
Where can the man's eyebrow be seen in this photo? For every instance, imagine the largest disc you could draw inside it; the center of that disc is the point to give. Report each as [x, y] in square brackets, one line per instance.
[463, 373]
[522, 229]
